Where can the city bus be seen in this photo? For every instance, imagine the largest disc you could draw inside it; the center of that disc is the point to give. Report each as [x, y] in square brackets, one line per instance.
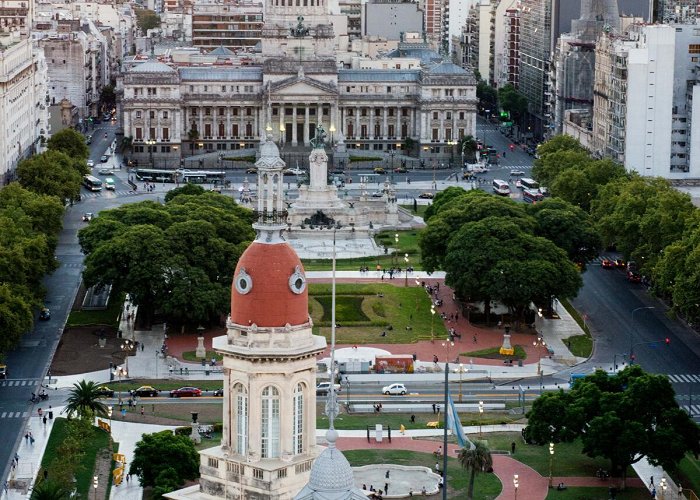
[526, 183]
[532, 196]
[501, 187]
[92, 183]
[153, 175]
[202, 176]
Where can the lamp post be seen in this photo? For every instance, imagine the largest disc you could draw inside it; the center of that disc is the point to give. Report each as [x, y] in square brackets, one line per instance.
[452, 143]
[481, 413]
[461, 370]
[405, 261]
[539, 343]
[120, 372]
[151, 144]
[282, 131]
[126, 347]
[515, 485]
[551, 459]
[332, 131]
[432, 322]
[486, 114]
[396, 244]
[631, 353]
[221, 168]
[95, 482]
[663, 485]
[109, 414]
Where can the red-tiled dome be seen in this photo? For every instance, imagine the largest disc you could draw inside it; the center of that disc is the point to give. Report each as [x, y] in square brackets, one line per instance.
[269, 287]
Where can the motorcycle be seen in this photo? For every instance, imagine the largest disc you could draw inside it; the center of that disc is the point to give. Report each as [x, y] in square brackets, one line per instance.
[36, 398]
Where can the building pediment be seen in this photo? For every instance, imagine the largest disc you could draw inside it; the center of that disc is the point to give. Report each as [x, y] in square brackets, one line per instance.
[302, 85]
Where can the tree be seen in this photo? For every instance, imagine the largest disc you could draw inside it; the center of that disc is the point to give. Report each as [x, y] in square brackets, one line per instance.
[190, 189]
[71, 143]
[409, 144]
[477, 459]
[147, 20]
[487, 95]
[84, 400]
[568, 227]
[621, 417]
[159, 452]
[52, 173]
[467, 148]
[512, 101]
[562, 142]
[49, 490]
[442, 198]
[16, 316]
[547, 168]
[108, 97]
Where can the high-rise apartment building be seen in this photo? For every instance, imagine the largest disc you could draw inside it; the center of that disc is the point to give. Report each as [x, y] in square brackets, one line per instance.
[437, 23]
[675, 11]
[234, 24]
[509, 69]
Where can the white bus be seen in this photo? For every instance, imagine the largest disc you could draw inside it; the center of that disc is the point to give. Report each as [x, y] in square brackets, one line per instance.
[501, 187]
[92, 183]
[526, 183]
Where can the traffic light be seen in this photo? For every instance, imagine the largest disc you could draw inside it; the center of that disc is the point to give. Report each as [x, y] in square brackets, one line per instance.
[668, 341]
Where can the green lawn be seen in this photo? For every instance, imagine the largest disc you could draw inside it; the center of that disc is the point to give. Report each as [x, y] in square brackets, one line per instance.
[383, 305]
[580, 345]
[98, 441]
[190, 356]
[357, 421]
[420, 212]
[492, 353]
[486, 486]
[109, 316]
[689, 473]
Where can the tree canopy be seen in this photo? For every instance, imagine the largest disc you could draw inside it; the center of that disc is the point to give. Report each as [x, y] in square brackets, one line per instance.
[176, 258]
[512, 101]
[71, 143]
[165, 453]
[147, 19]
[52, 173]
[621, 417]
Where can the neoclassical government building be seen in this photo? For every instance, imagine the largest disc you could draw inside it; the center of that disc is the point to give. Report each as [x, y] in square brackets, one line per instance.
[172, 112]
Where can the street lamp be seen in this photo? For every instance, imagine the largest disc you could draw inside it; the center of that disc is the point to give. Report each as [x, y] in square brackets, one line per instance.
[551, 459]
[481, 413]
[515, 485]
[126, 347]
[405, 260]
[663, 486]
[95, 482]
[539, 343]
[452, 143]
[282, 131]
[460, 370]
[631, 353]
[109, 414]
[447, 344]
[432, 322]
[151, 145]
[396, 244]
[120, 372]
[332, 131]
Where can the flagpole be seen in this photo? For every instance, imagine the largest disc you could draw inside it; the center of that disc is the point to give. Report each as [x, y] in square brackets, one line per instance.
[444, 434]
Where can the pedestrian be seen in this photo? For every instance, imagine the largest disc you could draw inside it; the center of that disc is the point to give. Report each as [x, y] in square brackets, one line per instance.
[31, 438]
[651, 481]
[123, 413]
[142, 347]
[512, 448]
[434, 409]
[45, 420]
[437, 468]
[387, 475]
[40, 412]
[127, 479]
[413, 419]
[142, 410]
[386, 488]
[474, 338]
[437, 407]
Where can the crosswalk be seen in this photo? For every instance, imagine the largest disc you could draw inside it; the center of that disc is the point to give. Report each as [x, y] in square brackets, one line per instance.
[693, 410]
[18, 383]
[13, 414]
[688, 378]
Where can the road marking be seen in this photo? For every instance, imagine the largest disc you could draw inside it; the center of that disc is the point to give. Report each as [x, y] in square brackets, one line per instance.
[684, 378]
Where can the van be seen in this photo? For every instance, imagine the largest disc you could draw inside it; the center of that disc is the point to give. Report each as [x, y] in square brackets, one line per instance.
[109, 184]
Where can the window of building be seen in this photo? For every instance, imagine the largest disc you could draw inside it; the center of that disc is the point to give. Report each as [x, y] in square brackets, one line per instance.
[223, 88]
[139, 134]
[435, 134]
[449, 92]
[206, 88]
[166, 134]
[435, 115]
[207, 130]
[448, 115]
[298, 420]
[694, 48]
[138, 114]
[152, 115]
[165, 115]
[241, 398]
[461, 115]
[377, 112]
[388, 90]
[249, 111]
[222, 130]
[363, 112]
[152, 133]
[270, 423]
[165, 149]
[222, 111]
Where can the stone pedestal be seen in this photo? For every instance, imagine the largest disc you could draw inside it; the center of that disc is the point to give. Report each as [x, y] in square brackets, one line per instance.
[200, 352]
[506, 349]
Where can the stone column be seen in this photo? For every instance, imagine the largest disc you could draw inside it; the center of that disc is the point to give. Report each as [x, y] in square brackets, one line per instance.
[280, 111]
[201, 124]
[229, 134]
[294, 125]
[306, 125]
[241, 120]
[256, 122]
[397, 126]
[357, 121]
[441, 133]
[385, 117]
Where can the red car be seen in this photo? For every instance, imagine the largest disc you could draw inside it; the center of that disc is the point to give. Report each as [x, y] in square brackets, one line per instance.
[186, 392]
[607, 264]
[634, 277]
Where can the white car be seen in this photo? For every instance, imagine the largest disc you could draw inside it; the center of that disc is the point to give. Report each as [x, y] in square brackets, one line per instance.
[105, 171]
[323, 388]
[394, 389]
[480, 170]
[90, 163]
[294, 171]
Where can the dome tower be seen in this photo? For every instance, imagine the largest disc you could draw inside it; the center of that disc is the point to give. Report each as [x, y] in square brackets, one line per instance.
[269, 357]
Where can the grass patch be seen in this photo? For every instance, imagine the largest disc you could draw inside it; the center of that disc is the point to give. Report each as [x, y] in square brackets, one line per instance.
[596, 494]
[486, 486]
[689, 473]
[190, 356]
[405, 310]
[421, 209]
[97, 441]
[492, 353]
[109, 316]
[581, 345]
[360, 421]
[348, 309]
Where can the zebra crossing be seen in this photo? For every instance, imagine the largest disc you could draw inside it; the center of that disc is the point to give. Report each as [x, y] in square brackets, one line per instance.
[693, 410]
[13, 414]
[18, 383]
[688, 378]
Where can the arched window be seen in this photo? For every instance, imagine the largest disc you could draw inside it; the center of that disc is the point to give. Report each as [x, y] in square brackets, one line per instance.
[241, 419]
[270, 420]
[298, 420]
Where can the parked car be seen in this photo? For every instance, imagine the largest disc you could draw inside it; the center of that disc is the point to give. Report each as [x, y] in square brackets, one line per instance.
[426, 196]
[400, 170]
[607, 264]
[145, 391]
[377, 194]
[90, 163]
[219, 393]
[186, 392]
[394, 389]
[104, 392]
[251, 170]
[294, 171]
[3, 371]
[379, 170]
[88, 216]
[323, 388]
[45, 314]
[479, 169]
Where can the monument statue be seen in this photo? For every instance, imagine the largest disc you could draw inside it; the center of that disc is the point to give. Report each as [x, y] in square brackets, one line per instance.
[319, 138]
